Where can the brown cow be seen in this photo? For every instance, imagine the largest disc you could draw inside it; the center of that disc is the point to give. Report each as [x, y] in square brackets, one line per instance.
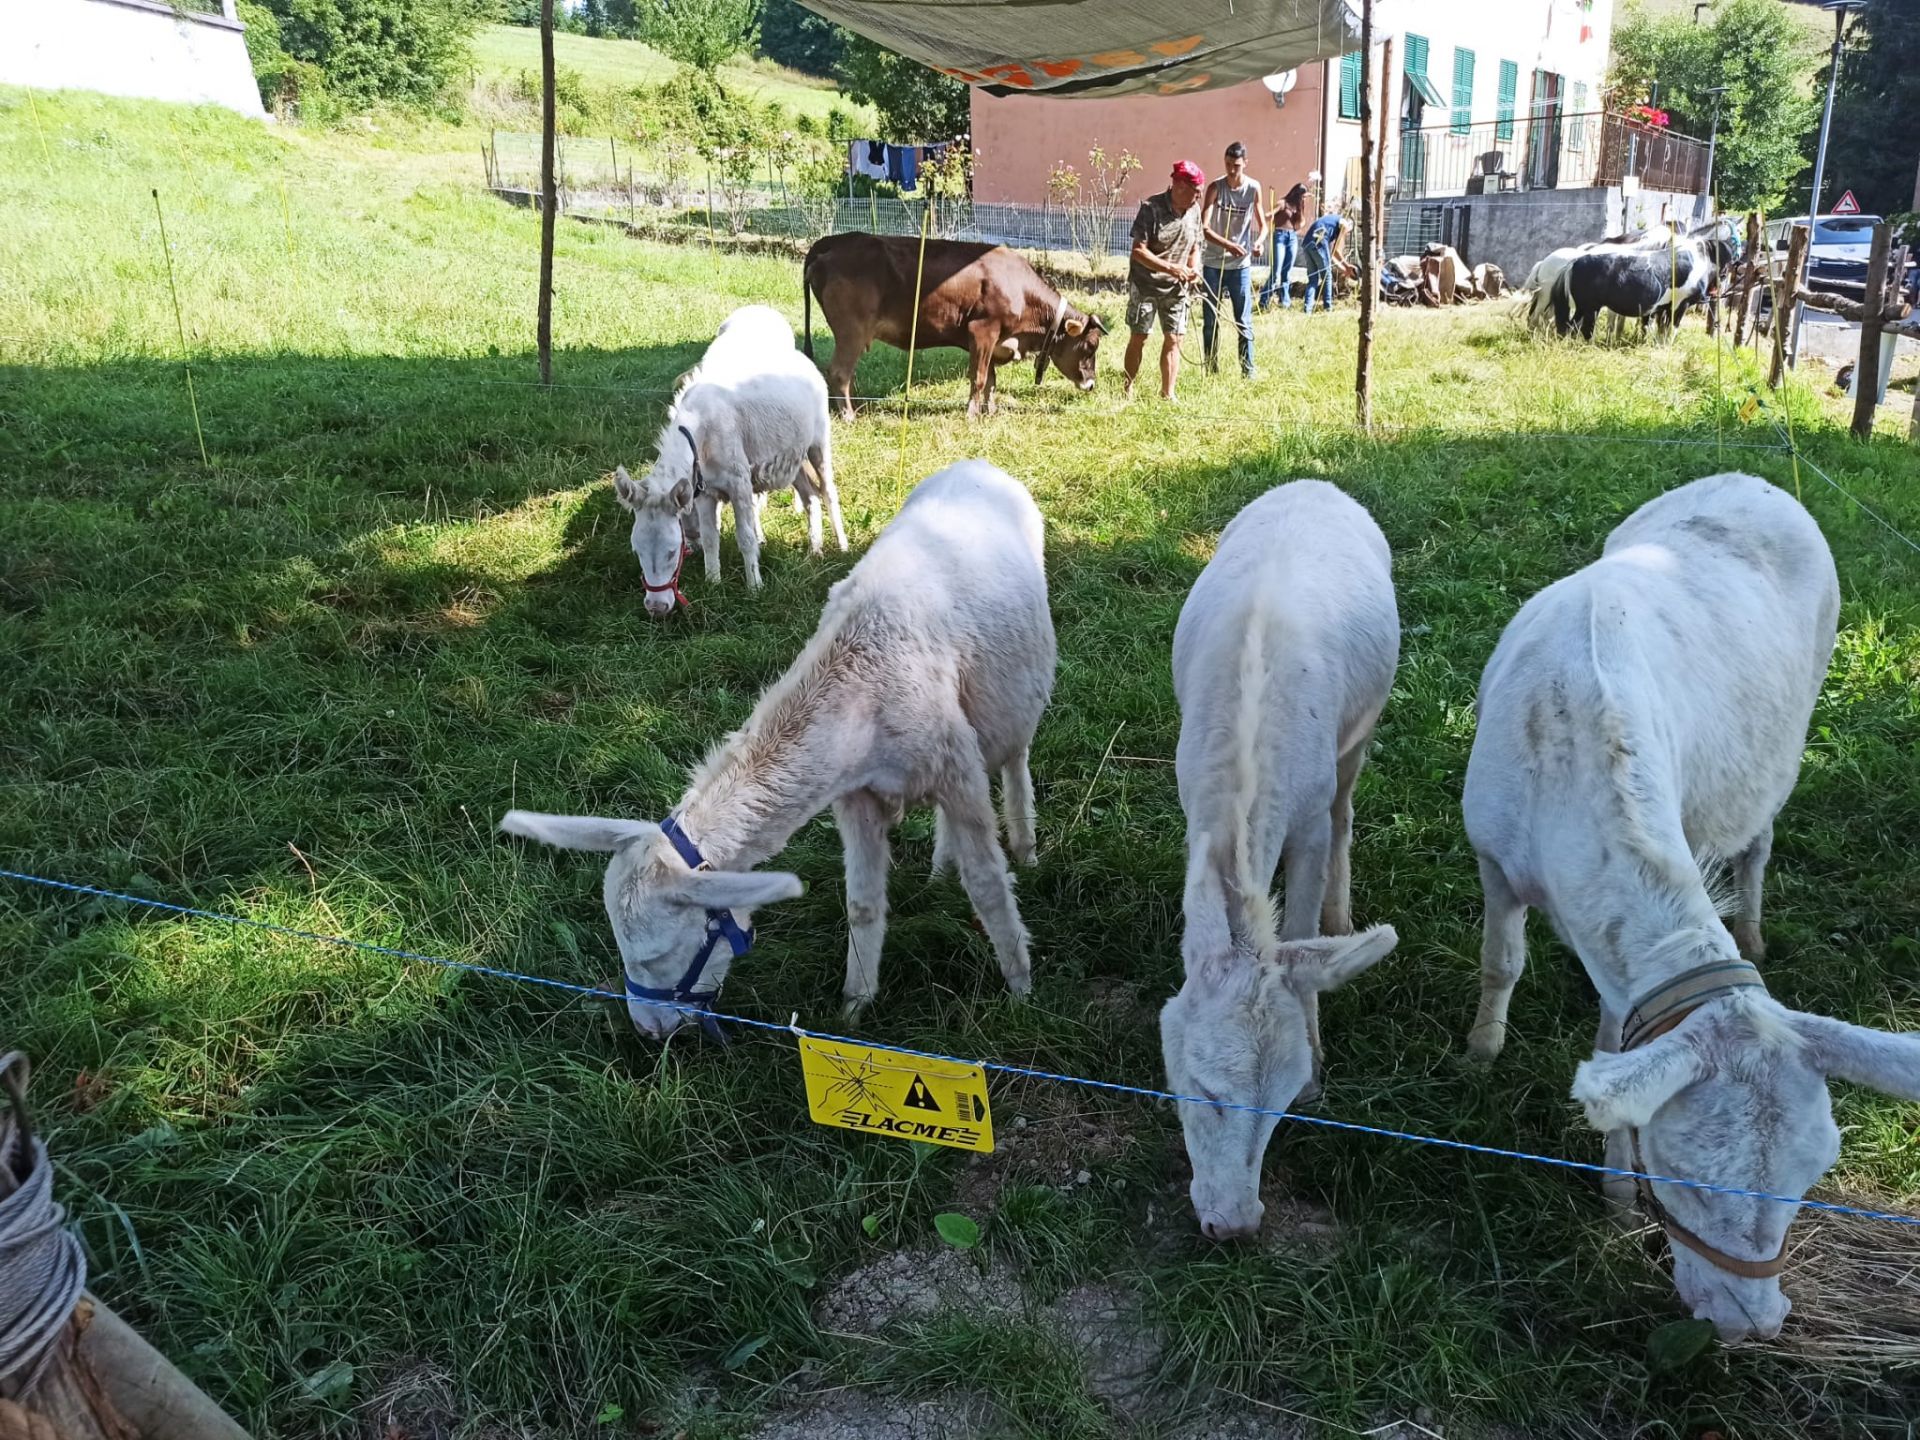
[983, 299]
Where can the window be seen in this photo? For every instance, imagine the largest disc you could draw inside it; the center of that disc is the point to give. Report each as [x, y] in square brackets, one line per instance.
[1462, 90]
[1509, 92]
[1417, 81]
[1350, 86]
[1577, 124]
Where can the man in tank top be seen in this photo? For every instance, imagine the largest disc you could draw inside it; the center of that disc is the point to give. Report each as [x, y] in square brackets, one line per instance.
[1236, 213]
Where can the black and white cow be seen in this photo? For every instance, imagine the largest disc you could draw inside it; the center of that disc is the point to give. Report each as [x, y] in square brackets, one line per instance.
[1638, 283]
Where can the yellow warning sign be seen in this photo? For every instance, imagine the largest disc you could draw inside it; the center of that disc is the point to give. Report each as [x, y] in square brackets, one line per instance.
[1750, 409]
[884, 1092]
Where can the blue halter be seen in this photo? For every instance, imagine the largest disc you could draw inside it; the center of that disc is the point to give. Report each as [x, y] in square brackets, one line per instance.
[721, 925]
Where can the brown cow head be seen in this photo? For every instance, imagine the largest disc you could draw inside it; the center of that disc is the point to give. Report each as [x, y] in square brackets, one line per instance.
[1073, 348]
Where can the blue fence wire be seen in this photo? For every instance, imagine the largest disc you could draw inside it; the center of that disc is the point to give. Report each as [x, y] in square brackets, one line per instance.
[1143, 1092]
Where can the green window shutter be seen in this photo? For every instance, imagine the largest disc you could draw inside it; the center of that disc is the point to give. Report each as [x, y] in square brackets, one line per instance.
[1416, 54]
[1350, 86]
[1509, 92]
[1462, 90]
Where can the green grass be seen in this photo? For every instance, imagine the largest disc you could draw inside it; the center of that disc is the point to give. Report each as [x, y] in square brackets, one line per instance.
[503, 51]
[302, 683]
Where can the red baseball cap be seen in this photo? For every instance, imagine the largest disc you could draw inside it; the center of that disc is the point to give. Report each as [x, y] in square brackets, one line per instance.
[1190, 172]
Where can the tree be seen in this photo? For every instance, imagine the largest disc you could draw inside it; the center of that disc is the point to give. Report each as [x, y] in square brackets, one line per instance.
[799, 39]
[701, 33]
[1875, 140]
[914, 103]
[1756, 50]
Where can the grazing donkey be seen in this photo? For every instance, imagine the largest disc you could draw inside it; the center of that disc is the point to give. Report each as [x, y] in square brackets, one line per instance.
[1641, 724]
[1282, 661]
[749, 418]
[928, 673]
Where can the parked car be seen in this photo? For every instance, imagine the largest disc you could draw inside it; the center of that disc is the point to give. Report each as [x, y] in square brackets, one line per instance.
[1837, 258]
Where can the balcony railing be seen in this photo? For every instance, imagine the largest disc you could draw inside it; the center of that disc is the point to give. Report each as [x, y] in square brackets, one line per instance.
[1549, 150]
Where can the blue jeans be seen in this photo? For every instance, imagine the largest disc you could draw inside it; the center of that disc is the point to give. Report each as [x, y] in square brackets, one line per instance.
[1319, 273]
[1286, 245]
[1235, 288]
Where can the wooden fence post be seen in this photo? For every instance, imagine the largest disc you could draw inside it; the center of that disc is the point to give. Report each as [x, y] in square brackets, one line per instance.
[1866, 374]
[1751, 256]
[1784, 302]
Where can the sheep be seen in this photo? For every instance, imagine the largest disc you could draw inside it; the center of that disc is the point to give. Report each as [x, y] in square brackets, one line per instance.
[928, 673]
[1640, 726]
[1282, 660]
[749, 418]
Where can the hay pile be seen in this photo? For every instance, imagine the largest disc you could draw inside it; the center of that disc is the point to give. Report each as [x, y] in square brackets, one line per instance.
[1855, 1287]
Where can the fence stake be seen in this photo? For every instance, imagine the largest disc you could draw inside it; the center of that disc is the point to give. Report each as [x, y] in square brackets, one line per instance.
[548, 199]
[180, 324]
[709, 207]
[873, 212]
[913, 339]
[1866, 374]
[34, 110]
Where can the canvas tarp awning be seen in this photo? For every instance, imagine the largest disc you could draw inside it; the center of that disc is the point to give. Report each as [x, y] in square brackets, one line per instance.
[1100, 48]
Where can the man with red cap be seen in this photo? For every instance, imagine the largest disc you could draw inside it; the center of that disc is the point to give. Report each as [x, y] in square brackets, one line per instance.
[1166, 238]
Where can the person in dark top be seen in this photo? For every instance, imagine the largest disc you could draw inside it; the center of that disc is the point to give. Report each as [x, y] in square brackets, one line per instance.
[1289, 216]
[1161, 271]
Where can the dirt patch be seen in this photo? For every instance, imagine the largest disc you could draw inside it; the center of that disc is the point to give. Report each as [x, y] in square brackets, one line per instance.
[1295, 1225]
[858, 1415]
[915, 1285]
[1048, 1141]
[1119, 1347]
[1229, 1421]
[416, 1402]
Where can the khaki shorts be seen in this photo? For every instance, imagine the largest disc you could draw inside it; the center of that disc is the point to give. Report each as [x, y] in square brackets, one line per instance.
[1172, 310]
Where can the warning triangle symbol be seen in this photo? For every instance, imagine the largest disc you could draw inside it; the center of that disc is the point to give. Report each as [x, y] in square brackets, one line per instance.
[920, 1098]
[1846, 205]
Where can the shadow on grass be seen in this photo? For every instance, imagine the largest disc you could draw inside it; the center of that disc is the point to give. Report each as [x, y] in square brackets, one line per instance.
[307, 682]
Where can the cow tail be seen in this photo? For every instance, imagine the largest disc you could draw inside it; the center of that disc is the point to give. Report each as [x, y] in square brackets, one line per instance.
[806, 305]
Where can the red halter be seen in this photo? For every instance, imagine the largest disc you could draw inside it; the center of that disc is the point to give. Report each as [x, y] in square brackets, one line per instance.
[674, 583]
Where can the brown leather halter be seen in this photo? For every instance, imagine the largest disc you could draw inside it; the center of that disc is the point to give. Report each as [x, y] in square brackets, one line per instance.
[1652, 1016]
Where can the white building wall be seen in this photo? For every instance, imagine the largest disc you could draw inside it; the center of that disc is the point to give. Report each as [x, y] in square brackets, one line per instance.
[1569, 38]
[137, 48]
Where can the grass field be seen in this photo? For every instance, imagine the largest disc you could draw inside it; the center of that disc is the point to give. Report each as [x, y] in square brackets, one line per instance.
[354, 1196]
[506, 50]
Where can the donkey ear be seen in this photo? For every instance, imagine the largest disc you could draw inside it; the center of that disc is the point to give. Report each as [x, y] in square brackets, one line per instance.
[625, 488]
[735, 889]
[1624, 1091]
[1328, 963]
[1207, 940]
[1874, 1058]
[576, 832]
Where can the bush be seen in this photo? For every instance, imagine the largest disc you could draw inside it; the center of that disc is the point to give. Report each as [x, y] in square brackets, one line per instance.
[406, 51]
[288, 87]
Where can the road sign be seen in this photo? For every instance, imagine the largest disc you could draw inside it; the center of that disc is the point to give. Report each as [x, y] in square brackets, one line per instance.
[1846, 205]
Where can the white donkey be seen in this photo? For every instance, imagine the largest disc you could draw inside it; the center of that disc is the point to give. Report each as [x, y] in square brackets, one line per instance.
[931, 666]
[1641, 722]
[749, 418]
[1282, 661]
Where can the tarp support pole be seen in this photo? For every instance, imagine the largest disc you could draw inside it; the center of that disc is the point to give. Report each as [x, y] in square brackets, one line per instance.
[1370, 164]
[543, 338]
